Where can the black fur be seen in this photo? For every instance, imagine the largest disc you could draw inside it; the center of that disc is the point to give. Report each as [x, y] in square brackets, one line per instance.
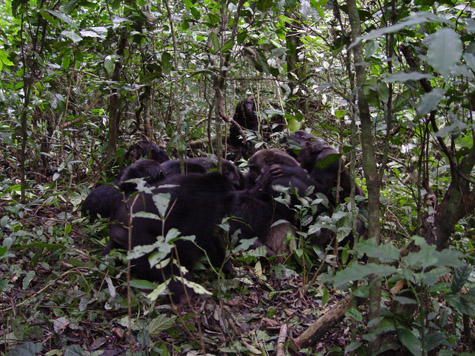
[198, 202]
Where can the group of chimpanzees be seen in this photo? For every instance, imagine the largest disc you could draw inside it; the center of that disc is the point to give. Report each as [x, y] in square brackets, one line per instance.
[201, 197]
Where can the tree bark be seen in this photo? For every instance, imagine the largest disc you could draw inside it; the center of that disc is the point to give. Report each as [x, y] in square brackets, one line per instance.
[114, 106]
[373, 179]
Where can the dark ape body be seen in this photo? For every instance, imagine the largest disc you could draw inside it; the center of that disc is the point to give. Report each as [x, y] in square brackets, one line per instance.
[312, 152]
[145, 149]
[245, 116]
[256, 210]
[203, 165]
[266, 158]
[198, 202]
[104, 199]
[315, 156]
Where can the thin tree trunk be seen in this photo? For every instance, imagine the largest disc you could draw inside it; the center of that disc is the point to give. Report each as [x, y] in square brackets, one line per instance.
[114, 107]
[373, 180]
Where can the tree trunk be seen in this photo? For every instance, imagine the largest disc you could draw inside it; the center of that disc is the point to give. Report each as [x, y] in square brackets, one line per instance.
[114, 106]
[373, 180]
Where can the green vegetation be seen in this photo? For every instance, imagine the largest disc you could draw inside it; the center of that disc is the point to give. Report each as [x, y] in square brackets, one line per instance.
[389, 84]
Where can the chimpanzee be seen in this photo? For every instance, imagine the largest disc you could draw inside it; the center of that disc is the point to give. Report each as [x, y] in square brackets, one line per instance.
[104, 199]
[197, 203]
[145, 149]
[321, 161]
[245, 116]
[256, 210]
[203, 165]
[266, 158]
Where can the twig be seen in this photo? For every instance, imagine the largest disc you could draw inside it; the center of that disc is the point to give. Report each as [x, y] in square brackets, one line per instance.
[281, 341]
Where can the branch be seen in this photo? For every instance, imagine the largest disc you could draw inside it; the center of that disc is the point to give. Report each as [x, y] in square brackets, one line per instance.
[329, 319]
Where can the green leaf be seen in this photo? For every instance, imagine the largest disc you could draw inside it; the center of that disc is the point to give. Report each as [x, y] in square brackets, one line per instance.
[146, 215]
[404, 300]
[27, 349]
[26, 281]
[4, 59]
[109, 64]
[142, 284]
[162, 287]
[63, 17]
[430, 101]
[214, 42]
[162, 201]
[352, 346]
[416, 19]
[196, 14]
[327, 160]
[357, 272]
[444, 51]
[355, 314]
[73, 36]
[383, 252]
[160, 323]
[422, 259]
[464, 304]
[227, 46]
[431, 341]
[460, 277]
[404, 77]
[167, 62]
[197, 288]
[408, 339]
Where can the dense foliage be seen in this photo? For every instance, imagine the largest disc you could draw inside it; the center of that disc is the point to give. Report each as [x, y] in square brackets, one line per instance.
[82, 80]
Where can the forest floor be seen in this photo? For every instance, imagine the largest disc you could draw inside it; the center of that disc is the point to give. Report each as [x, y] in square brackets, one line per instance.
[60, 294]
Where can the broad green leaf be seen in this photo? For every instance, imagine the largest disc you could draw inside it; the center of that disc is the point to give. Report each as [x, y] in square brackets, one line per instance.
[167, 62]
[146, 215]
[62, 16]
[383, 252]
[109, 64]
[110, 287]
[327, 160]
[357, 272]
[404, 77]
[4, 59]
[160, 323]
[444, 51]
[460, 277]
[196, 14]
[197, 288]
[422, 259]
[162, 201]
[464, 304]
[355, 314]
[28, 277]
[163, 250]
[432, 340]
[162, 287]
[470, 60]
[410, 340]
[214, 42]
[227, 46]
[430, 101]
[27, 349]
[404, 300]
[142, 284]
[352, 346]
[470, 25]
[416, 19]
[139, 251]
[73, 36]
